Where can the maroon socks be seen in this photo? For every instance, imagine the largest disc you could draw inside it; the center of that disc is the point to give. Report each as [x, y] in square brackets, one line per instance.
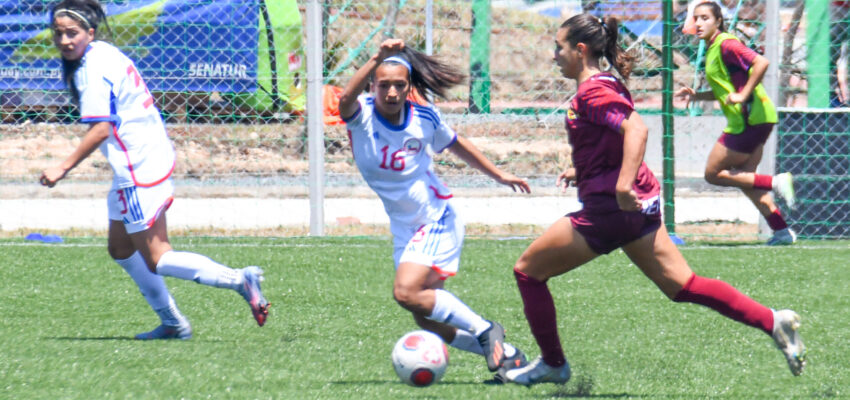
[725, 299]
[540, 312]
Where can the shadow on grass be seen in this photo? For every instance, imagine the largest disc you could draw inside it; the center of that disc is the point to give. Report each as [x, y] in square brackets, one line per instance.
[97, 338]
[398, 382]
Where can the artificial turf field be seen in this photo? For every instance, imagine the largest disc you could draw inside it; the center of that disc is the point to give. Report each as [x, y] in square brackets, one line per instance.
[69, 313]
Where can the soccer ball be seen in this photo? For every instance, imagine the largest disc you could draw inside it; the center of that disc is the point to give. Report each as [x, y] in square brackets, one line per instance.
[420, 358]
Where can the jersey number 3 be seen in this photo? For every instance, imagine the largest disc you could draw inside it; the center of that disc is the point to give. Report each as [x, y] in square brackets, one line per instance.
[131, 70]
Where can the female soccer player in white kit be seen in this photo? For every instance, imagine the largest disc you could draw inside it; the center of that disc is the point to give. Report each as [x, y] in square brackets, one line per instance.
[393, 140]
[125, 124]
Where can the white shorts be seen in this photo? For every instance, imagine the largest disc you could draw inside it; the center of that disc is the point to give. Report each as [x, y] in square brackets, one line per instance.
[436, 245]
[139, 207]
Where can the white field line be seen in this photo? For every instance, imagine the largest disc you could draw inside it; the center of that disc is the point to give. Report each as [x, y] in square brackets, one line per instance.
[685, 248]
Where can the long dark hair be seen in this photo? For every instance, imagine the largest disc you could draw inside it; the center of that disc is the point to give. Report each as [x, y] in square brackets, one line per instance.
[587, 29]
[716, 11]
[430, 74]
[89, 14]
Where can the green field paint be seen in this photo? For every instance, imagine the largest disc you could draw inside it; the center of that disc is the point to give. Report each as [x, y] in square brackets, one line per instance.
[479, 58]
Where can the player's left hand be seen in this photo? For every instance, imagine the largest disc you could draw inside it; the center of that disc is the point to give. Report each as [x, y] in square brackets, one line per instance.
[514, 182]
[628, 200]
[50, 176]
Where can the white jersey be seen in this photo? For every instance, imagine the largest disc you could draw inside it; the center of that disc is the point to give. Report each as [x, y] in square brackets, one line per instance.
[396, 161]
[138, 149]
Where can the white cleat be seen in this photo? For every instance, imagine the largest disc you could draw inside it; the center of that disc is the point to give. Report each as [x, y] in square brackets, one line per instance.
[538, 371]
[783, 184]
[786, 325]
[782, 237]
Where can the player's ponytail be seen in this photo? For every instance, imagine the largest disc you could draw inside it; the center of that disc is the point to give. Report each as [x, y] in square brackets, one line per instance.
[89, 14]
[430, 74]
[587, 29]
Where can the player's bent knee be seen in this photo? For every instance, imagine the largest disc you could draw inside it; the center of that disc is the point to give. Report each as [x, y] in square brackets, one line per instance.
[406, 297]
[119, 253]
[712, 177]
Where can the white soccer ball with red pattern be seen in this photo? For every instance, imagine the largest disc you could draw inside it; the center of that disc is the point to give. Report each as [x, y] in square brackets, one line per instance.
[420, 358]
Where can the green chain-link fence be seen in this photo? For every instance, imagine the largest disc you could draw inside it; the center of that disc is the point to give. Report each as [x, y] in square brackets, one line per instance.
[232, 92]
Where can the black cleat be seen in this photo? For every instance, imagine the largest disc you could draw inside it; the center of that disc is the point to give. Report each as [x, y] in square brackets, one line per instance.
[492, 341]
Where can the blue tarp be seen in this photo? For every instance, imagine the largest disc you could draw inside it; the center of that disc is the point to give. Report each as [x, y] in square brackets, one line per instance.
[178, 45]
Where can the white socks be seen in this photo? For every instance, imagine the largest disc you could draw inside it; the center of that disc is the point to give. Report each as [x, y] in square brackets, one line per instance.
[153, 289]
[171, 316]
[198, 268]
[448, 309]
[467, 342]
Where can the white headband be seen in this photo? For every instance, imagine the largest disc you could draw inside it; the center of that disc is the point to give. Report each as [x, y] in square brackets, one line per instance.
[79, 16]
[401, 61]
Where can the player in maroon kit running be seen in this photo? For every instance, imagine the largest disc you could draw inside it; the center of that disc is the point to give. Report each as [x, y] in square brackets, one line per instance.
[621, 209]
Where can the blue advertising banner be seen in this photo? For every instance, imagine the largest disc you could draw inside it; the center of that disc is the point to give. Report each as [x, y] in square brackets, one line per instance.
[178, 45]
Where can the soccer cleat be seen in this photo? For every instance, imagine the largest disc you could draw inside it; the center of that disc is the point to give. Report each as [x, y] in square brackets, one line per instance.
[514, 358]
[182, 332]
[538, 372]
[783, 184]
[782, 237]
[492, 341]
[252, 293]
[786, 325]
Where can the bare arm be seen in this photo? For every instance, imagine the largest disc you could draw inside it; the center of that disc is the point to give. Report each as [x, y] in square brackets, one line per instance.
[634, 133]
[348, 99]
[757, 71]
[472, 156]
[97, 133]
[693, 95]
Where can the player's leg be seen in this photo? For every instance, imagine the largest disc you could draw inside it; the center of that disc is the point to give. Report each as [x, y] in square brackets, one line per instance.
[761, 197]
[154, 245]
[173, 324]
[660, 260]
[560, 249]
[143, 212]
[418, 289]
[424, 258]
[733, 161]
[722, 168]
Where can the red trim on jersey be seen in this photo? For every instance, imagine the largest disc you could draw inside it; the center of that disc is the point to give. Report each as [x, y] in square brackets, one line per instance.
[441, 196]
[130, 165]
[443, 274]
[164, 207]
[94, 117]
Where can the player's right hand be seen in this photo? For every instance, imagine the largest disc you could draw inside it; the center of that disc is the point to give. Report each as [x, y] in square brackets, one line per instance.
[50, 176]
[566, 179]
[390, 47]
[685, 92]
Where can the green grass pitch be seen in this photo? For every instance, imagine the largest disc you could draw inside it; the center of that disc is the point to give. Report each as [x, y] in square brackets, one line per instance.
[68, 313]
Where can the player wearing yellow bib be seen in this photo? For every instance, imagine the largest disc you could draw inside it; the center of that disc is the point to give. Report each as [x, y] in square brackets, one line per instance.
[734, 73]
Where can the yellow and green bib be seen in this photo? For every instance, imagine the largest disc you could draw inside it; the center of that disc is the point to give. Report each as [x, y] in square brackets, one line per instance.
[762, 110]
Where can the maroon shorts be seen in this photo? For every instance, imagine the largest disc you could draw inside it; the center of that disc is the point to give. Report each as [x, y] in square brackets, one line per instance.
[745, 142]
[606, 232]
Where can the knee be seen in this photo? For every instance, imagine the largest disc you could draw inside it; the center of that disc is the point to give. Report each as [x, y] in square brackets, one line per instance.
[119, 252]
[712, 177]
[406, 296]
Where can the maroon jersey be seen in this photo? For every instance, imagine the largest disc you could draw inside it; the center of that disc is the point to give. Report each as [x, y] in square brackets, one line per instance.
[593, 126]
[738, 59]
